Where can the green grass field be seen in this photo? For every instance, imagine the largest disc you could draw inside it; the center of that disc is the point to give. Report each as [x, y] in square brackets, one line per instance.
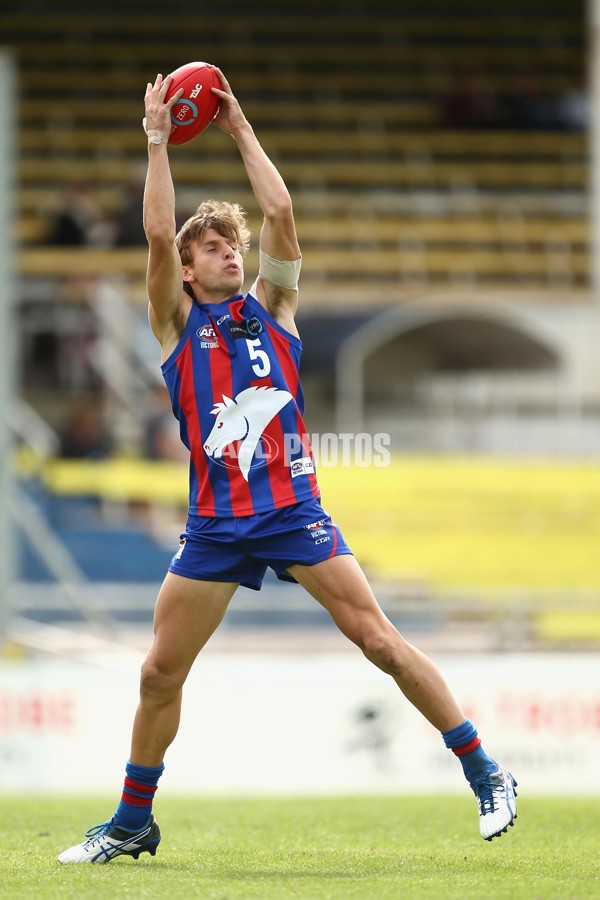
[393, 847]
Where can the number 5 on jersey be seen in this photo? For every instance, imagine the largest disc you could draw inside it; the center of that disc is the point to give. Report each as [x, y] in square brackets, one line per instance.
[262, 366]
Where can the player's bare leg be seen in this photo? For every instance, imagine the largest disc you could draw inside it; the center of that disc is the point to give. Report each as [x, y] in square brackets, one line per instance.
[340, 585]
[186, 615]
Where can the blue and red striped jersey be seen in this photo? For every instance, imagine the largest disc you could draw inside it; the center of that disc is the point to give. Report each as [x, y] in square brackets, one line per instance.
[235, 389]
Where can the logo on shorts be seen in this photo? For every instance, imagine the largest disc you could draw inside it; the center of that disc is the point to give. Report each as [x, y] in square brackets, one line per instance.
[181, 548]
[318, 524]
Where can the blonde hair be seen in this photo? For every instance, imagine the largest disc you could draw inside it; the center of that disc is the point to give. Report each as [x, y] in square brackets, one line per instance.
[227, 219]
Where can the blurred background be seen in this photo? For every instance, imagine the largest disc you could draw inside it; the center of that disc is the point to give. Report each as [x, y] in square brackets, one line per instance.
[441, 162]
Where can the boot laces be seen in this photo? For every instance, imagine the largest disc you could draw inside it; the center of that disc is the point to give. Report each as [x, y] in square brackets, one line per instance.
[96, 832]
[488, 790]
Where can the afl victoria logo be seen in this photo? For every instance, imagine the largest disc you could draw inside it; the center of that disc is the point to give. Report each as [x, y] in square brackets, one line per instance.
[206, 333]
[184, 112]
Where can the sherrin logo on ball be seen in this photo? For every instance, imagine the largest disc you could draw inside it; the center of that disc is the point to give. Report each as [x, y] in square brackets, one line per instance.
[198, 106]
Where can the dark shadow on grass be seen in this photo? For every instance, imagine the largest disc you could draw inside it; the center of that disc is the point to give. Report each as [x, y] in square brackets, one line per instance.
[358, 872]
[282, 875]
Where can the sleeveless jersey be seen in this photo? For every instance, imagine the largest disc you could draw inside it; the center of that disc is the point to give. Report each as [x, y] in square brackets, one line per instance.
[235, 389]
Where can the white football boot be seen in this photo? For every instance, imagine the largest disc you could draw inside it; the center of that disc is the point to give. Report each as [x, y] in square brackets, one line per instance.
[106, 841]
[495, 792]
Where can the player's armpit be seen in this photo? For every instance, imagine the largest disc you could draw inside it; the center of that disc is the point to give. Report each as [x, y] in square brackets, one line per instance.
[168, 333]
[279, 302]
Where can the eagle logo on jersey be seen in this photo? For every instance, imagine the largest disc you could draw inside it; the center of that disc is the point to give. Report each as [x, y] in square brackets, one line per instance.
[244, 419]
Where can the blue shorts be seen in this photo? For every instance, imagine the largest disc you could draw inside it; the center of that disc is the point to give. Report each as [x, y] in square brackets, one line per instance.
[240, 549]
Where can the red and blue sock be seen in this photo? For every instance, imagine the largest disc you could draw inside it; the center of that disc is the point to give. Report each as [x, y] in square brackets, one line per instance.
[465, 743]
[135, 807]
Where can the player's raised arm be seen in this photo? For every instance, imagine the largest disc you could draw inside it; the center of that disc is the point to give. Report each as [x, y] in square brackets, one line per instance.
[278, 285]
[163, 277]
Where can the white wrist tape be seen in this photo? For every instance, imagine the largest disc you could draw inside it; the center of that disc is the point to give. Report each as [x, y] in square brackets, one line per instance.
[283, 273]
[155, 136]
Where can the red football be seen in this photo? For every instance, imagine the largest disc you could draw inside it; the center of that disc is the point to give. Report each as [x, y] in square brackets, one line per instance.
[197, 106]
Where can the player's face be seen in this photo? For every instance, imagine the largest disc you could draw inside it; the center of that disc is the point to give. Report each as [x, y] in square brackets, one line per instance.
[217, 266]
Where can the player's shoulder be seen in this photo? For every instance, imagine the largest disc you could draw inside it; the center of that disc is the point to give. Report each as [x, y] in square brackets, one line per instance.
[168, 329]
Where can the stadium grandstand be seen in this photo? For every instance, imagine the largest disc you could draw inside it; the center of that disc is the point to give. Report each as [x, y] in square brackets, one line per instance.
[439, 167]
[418, 148]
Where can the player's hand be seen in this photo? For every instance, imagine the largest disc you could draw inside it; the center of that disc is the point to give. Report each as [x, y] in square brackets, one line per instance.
[158, 112]
[230, 116]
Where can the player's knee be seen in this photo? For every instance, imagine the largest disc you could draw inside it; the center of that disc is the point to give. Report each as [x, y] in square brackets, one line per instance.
[157, 683]
[384, 646]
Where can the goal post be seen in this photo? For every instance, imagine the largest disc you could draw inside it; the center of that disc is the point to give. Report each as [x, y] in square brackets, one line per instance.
[8, 337]
[593, 86]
